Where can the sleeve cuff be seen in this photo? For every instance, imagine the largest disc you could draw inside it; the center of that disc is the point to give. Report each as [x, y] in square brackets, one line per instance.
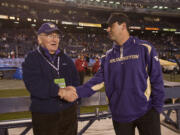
[84, 92]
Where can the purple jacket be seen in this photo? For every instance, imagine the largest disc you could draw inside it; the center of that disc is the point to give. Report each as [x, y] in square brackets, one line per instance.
[132, 78]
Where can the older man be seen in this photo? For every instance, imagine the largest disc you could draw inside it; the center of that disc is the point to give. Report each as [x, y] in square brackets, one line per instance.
[45, 71]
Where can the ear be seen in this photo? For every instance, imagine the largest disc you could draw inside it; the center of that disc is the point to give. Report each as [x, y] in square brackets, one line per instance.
[124, 26]
[39, 40]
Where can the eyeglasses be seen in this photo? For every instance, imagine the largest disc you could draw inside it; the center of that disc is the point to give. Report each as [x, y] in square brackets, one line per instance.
[52, 36]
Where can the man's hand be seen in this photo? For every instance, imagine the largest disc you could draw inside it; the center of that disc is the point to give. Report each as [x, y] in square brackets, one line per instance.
[68, 93]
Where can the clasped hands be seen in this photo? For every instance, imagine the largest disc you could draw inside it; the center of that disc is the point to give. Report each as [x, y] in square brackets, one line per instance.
[69, 93]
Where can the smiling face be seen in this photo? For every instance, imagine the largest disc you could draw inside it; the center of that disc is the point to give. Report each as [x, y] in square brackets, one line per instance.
[49, 41]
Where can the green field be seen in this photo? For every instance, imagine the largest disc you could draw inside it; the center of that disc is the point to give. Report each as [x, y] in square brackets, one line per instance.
[14, 93]
[10, 116]
[23, 92]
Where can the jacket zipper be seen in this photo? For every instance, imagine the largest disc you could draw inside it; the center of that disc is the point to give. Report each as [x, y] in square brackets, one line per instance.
[121, 52]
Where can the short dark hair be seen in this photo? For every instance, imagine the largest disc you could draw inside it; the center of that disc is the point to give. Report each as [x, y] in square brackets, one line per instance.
[120, 18]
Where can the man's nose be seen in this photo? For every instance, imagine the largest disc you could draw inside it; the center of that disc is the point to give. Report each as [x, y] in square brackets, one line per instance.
[108, 29]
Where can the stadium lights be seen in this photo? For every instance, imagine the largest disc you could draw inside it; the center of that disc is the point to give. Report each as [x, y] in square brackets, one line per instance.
[168, 29]
[165, 29]
[98, 0]
[89, 24]
[78, 27]
[33, 25]
[117, 2]
[12, 17]
[105, 1]
[46, 20]
[177, 32]
[16, 22]
[165, 7]
[172, 30]
[111, 2]
[160, 7]
[57, 21]
[69, 0]
[155, 7]
[154, 31]
[135, 27]
[53, 20]
[178, 8]
[3, 17]
[29, 19]
[69, 23]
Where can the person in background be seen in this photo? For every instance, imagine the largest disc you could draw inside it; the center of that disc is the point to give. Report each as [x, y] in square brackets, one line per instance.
[132, 76]
[96, 65]
[45, 71]
[87, 58]
[81, 66]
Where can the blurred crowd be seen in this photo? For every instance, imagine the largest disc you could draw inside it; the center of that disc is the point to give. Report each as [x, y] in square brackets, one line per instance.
[17, 43]
[17, 40]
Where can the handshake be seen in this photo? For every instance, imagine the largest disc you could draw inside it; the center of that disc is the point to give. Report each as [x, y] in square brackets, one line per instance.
[69, 93]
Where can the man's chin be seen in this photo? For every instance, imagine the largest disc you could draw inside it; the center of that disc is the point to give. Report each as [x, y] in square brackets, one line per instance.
[53, 49]
[111, 38]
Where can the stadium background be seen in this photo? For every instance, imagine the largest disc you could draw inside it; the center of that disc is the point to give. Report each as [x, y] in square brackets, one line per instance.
[81, 23]
[83, 29]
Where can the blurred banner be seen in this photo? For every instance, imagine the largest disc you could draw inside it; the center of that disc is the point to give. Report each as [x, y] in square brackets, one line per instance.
[6, 62]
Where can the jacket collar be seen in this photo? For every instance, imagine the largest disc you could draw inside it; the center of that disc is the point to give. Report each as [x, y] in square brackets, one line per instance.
[46, 53]
[128, 43]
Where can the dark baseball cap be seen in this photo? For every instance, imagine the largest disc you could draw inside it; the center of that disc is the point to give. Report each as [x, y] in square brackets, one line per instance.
[48, 28]
[118, 17]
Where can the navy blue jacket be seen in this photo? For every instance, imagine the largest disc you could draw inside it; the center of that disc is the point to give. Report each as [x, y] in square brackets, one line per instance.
[39, 77]
[133, 80]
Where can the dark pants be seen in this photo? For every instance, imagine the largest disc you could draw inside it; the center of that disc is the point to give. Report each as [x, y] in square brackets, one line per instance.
[81, 76]
[61, 123]
[149, 124]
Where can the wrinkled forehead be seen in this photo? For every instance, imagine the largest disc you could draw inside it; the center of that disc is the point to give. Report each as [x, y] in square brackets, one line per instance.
[54, 33]
[51, 33]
